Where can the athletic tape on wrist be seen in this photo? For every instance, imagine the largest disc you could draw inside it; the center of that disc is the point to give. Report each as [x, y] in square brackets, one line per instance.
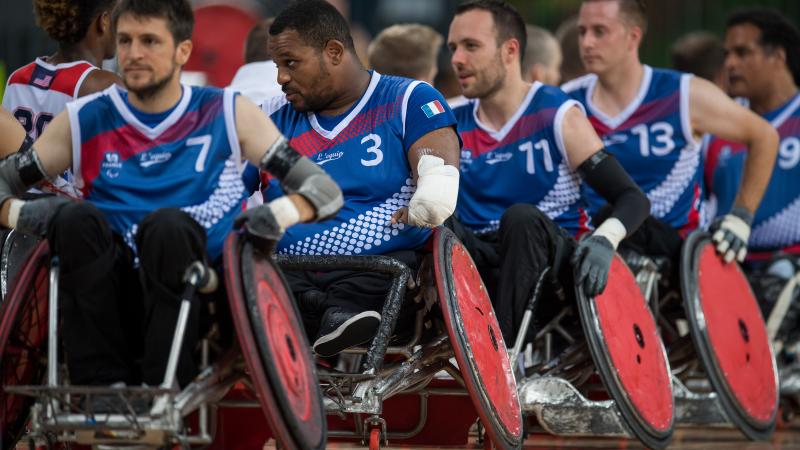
[613, 230]
[14, 207]
[437, 192]
[286, 214]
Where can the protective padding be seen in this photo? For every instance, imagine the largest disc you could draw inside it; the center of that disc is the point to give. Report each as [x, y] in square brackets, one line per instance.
[275, 348]
[630, 357]
[477, 342]
[23, 342]
[731, 338]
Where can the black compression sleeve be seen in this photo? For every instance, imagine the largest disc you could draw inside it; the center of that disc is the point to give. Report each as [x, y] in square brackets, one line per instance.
[603, 173]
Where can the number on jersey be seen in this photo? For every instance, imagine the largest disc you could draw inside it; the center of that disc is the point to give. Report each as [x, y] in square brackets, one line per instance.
[33, 124]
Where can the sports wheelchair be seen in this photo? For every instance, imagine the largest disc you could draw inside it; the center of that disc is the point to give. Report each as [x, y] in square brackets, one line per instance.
[609, 376]
[270, 366]
[723, 368]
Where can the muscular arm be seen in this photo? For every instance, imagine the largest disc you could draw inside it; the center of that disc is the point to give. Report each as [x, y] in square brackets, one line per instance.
[256, 133]
[98, 80]
[436, 195]
[714, 112]
[442, 143]
[606, 176]
[12, 134]
[54, 151]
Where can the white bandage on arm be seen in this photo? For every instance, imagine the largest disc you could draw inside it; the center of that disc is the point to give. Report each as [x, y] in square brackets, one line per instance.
[436, 195]
[613, 230]
[14, 207]
[286, 214]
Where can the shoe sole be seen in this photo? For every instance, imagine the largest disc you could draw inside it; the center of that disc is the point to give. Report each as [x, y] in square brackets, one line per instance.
[356, 330]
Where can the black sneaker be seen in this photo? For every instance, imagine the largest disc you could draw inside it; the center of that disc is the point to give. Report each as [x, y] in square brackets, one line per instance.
[341, 329]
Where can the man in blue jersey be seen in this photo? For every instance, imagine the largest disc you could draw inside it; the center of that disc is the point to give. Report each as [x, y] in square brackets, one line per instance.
[388, 141]
[763, 66]
[159, 166]
[525, 145]
[652, 119]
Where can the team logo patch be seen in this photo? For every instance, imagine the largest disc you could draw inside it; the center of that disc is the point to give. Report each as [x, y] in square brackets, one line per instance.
[111, 164]
[432, 108]
[151, 159]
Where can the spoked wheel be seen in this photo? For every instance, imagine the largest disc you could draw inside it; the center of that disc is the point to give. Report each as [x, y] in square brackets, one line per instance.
[477, 341]
[23, 342]
[730, 337]
[629, 355]
[274, 345]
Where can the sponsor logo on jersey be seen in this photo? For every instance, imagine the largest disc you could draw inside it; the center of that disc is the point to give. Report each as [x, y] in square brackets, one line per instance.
[324, 158]
[432, 108]
[111, 164]
[613, 139]
[497, 157]
[466, 159]
[151, 159]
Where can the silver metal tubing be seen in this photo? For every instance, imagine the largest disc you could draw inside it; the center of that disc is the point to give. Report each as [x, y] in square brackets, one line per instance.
[52, 326]
[177, 342]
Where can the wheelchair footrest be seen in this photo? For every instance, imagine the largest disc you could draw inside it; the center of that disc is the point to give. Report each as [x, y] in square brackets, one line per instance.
[562, 410]
[697, 408]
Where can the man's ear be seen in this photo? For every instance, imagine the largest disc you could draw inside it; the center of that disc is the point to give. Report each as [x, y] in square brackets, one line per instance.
[334, 51]
[511, 50]
[183, 52]
[103, 23]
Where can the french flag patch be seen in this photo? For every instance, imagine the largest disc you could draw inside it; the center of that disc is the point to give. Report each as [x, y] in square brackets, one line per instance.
[432, 108]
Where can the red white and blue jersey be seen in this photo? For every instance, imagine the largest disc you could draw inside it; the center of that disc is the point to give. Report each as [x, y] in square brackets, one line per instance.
[39, 91]
[654, 141]
[189, 160]
[523, 162]
[365, 151]
[776, 224]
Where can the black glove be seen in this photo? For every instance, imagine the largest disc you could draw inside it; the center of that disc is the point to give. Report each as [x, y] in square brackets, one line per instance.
[35, 215]
[592, 261]
[260, 223]
[731, 232]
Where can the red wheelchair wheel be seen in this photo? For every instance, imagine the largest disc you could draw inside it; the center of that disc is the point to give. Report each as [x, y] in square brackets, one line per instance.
[14, 253]
[730, 336]
[23, 342]
[275, 348]
[629, 356]
[477, 341]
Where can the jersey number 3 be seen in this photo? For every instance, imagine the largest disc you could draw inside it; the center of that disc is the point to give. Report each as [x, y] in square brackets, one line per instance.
[373, 149]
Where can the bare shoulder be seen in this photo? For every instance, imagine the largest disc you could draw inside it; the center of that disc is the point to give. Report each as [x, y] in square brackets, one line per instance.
[98, 80]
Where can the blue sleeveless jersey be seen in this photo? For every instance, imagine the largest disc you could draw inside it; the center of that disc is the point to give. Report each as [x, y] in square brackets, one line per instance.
[524, 162]
[191, 160]
[365, 151]
[777, 222]
[653, 140]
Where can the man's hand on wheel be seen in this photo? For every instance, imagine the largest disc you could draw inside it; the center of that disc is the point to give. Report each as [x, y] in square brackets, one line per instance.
[731, 232]
[592, 262]
[35, 215]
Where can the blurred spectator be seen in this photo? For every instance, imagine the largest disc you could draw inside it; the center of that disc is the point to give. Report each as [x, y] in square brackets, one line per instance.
[571, 64]
[406, 50]
[702, 54]
[257, 79]
[542, 59]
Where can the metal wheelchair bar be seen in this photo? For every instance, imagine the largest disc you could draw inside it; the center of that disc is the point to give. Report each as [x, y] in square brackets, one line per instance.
[382, 264]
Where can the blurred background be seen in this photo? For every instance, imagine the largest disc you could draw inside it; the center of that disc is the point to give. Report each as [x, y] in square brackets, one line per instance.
[223, 25]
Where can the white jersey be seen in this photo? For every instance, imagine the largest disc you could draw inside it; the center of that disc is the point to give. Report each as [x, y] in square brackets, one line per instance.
[37, 92]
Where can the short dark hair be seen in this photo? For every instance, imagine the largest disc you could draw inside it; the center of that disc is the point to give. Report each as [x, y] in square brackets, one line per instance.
[634, 10]
[700, 53]
[776, 31]
[256, 47]
[67, 21]
[316, 21]
[508, 22]
[178, 13]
